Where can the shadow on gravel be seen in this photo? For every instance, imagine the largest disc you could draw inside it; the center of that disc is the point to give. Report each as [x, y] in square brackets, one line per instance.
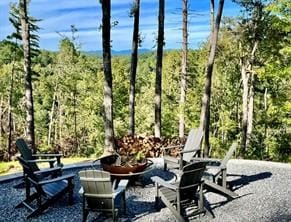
[245, 180]
[166, 175]
[138, 208]
[281, 217]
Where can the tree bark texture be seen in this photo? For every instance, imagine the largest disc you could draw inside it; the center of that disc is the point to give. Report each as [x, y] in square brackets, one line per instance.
[245, 80]
[247, 74]
[25, 35]
[134, 59]
[10, 121]
[183, 89]
[248, 66]
[61, 121]
[76, 145]
[108, 97]
[212, 15]
[205, 110]
[51, 116]
[159, 66]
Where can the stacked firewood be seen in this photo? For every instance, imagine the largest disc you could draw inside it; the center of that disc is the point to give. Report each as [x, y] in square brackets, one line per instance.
[147, 146]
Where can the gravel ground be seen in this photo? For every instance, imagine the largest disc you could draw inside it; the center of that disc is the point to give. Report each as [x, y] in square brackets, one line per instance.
[263, 187]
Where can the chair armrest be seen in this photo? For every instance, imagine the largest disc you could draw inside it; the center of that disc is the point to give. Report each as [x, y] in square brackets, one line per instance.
[57, 156]
[189, 151]
[47, 155]
[164, 183]
[211, 161]
[64, 177]
[42, 160]
[50, 170]
[171, 147]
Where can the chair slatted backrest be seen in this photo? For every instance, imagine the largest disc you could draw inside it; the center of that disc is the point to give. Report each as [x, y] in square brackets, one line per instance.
[191, 177]
[193, 142]
[28, 169]
[228, 155]
[97, 185]
[26, 153]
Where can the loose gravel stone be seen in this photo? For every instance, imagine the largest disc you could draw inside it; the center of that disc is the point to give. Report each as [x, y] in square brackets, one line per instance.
[263, 187]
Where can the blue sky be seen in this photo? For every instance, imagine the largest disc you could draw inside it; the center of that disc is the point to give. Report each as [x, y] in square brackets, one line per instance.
[58, 16]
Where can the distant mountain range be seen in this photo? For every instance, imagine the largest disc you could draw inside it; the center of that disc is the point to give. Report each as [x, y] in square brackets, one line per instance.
[114, 52]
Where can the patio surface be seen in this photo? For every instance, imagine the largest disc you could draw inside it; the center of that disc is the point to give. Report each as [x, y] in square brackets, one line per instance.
[263, 187]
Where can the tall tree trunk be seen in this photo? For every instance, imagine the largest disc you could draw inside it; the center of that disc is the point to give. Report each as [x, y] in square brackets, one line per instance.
[248, 69]
[205, 110]
[159, 66]
[245, 80]
[183, 70]
[10, 125]
[247, 73]
[25, 34]
[250, 109]
[212, 15]
[75, 119]
[51, 116]
[61, 121]
[134, 58]
[108, 98]
[265, 122]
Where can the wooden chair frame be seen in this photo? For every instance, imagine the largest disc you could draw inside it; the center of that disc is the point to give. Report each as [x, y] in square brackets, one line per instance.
[177, 196]
[46, 191]
[190, 149]
[99, 193]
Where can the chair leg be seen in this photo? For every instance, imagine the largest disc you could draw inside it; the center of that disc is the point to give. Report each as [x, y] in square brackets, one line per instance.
[124, 202]
[85, 215]
[157, 198]
[223, 178]
[70, 192]
[113, 210]
[165, 166]
[85, 211]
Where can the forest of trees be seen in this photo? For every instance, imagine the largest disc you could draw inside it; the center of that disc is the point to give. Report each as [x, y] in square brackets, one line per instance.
[250, 89]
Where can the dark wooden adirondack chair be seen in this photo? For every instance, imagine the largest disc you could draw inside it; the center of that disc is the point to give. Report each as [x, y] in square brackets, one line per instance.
[53, 159]
[99, 193]
[46, 191]
[190, 149]
[185, 194]
[216, 173]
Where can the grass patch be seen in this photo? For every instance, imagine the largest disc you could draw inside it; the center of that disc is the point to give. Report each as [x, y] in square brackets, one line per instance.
[14, 166]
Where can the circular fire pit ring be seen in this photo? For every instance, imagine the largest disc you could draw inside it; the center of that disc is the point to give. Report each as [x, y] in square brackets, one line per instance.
[135, 169]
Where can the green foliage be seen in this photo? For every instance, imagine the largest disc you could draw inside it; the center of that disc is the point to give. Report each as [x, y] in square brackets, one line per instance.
[33, 28]
[68, 92]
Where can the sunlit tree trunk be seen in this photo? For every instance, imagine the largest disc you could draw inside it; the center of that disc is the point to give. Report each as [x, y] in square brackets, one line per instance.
[247, 74]
[205, 110]
[108, 97]
[245, 80]
[134, 58]
[51, 116]
[159, 66]
[250, 110]
[61, 121]
[76, 143]
[183, 70]
[10, 121]
[212, 15]
[25, 35]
